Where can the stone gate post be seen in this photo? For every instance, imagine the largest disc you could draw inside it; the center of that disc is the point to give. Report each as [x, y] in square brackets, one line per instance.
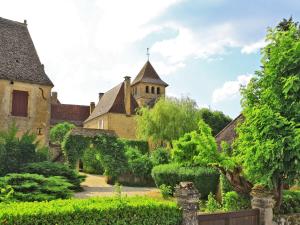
[264, 202]
[188, 199]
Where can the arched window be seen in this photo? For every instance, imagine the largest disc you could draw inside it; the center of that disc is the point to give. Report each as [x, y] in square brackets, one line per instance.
[147, 89]
[158, 91]
[152, 90]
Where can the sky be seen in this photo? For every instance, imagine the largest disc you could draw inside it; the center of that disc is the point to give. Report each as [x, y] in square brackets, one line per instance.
[204, 49]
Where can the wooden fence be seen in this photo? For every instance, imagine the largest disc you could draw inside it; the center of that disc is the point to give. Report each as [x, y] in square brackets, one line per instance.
[244, 217]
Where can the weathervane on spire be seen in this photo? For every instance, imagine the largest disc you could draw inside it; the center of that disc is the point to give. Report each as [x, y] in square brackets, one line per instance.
[148, 54]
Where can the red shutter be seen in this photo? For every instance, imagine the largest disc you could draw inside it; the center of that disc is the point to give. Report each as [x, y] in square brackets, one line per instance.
[20, 103]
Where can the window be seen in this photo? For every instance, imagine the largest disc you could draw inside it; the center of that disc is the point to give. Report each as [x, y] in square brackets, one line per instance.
[19, 103]
[101, 124]
[158, 91]
[147, 89]
[152, 90]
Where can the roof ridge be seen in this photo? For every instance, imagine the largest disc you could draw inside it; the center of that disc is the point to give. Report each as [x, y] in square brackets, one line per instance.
[13, 21]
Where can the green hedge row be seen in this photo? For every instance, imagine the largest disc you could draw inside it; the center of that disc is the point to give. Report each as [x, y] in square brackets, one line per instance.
[205, 179]
[100, 211]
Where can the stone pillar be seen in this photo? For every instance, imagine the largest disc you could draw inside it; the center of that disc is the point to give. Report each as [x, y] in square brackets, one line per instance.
[263, 201]
[188, 199]
[127, 95]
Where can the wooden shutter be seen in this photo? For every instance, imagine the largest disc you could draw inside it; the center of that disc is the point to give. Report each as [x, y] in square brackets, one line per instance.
[20, 103]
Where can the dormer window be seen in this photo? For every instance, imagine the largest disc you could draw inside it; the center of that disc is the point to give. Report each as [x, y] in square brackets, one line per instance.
[19, 103]
[147, 89]
[152, 90]
[158, 91]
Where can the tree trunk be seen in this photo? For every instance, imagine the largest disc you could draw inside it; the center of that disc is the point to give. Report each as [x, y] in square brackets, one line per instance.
[238, 182]
[278, 194]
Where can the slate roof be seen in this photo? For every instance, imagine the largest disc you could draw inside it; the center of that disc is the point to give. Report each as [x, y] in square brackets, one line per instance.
[75, 114]
[148, 75]
[113, 102]
[228, 133]
[18, 57]
[88, 132]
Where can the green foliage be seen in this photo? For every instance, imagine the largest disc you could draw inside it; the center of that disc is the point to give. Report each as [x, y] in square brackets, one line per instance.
[141, 145]
[59, 131]
[168, 120]
[73, 147]
[268, 144]
[160, 156]
[49, 169]
[6, 193]
[205, 179]
[101, 211]
[139, 165]
[33, 187]
[217, 120]
[112, 155]
[166, 191]
[212, 205]
[15, 152]
[91, 161]
[225, 185]
[232, 201]
[291, 202]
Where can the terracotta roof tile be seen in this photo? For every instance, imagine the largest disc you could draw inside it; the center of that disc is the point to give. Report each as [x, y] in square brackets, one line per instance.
[75, 114]
[18, 57]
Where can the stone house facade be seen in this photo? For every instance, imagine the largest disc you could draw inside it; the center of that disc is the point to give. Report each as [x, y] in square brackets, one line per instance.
[25, 89]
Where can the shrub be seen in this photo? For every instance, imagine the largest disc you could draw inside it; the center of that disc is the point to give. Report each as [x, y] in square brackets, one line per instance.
[49, 169]
[34, 187]
[291, 202]
[59, 131]
[166, 191]
[112, 156]
[91, 161]
[232, 201]
[101, 211]
[139, 165]
[160, 156]
[141, 145]
[212, 205]
[225, 185]
[15, 152]
[204, 179]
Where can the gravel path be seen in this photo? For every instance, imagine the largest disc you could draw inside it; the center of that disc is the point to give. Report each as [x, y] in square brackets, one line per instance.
[95, 185]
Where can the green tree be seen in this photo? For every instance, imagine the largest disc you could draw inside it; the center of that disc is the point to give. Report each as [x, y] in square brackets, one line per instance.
[168, 120]
[59, 131]
[217, 120]
[268, 143]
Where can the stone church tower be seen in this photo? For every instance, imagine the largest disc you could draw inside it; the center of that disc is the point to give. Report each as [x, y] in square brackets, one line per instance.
[147, 87]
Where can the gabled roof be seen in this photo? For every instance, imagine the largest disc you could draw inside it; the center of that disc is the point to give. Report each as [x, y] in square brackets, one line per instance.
[148, 75]
[75, 114]
[113, 102]
[18, 58]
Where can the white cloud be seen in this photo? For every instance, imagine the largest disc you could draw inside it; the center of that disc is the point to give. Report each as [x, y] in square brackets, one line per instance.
[254, 47]
[230, 89]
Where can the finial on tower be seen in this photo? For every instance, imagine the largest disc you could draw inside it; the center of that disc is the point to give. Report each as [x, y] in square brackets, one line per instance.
[148, 54]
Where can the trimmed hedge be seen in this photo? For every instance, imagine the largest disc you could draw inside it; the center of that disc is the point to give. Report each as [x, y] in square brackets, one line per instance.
[205, 179]
[49, 169]
[142, 146]
[100, 211]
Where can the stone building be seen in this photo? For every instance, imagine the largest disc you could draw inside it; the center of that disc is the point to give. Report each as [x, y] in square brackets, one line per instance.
[116, 109]
[26, 99]
[25, 89]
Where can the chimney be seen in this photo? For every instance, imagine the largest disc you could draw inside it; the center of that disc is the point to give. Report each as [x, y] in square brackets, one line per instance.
[54, 99]
[92, 107]
[127, 94]
[100, 95]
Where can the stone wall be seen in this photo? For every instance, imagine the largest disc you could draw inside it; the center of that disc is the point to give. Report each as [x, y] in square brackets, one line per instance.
[290, 219]
[38, 119]
[142, 97]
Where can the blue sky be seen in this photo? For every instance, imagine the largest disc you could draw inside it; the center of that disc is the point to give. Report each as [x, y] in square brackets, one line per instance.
[204, 49]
